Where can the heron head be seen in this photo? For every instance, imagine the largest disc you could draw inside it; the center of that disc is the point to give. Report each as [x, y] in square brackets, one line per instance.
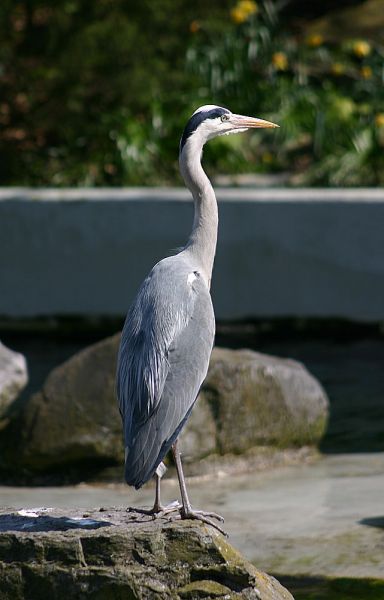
[210, 121]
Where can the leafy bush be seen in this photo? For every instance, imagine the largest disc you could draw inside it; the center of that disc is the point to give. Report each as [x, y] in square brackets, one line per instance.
[85, 86]
[328, 99]
[97, 93]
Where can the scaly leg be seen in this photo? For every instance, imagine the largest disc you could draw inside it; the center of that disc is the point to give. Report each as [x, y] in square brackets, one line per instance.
[186, 511]
[158, 509]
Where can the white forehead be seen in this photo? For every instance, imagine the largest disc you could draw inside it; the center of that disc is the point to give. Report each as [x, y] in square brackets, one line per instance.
[206, 108]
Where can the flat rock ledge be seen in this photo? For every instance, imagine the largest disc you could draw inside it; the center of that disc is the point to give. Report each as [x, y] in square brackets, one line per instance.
[107, 554]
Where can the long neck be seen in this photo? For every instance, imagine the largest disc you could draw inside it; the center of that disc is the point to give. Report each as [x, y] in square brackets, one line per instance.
[201, 244]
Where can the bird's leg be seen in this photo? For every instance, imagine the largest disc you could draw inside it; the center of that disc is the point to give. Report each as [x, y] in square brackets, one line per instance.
[157, 506]
[158, 510]
[186, 510]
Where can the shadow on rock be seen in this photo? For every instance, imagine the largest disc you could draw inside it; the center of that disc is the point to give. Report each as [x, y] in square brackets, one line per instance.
[16, 522]
[373, 522]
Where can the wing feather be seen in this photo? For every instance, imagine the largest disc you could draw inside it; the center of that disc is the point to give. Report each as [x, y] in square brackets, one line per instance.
[164, 355]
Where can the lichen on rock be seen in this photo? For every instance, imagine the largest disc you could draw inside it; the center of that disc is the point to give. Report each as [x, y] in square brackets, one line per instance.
[257, 399]
[112, 554]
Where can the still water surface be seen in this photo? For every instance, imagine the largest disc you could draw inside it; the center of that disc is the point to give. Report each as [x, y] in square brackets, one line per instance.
[323, 519]
[302, 523]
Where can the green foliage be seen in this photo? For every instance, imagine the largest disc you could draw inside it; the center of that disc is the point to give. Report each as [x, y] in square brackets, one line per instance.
[328, 99]
[97, 93]
[85, 86]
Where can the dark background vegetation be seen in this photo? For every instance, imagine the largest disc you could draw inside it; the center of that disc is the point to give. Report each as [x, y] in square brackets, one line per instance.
[97, 92]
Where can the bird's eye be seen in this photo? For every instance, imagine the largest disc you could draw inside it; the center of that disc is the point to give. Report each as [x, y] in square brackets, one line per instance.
[224, 117]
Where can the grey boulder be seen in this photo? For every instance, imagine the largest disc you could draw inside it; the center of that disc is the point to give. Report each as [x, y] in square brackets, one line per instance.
[73, 421]
[13, 377]
[248, 400]
[259, 400]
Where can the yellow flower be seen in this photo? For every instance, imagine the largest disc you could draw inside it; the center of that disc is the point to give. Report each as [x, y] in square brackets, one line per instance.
[366, 72]
[194, 26]
[243, 10]
[315, 40]
[361, 48]
[338, 68]
[249, 6]
[238, 16]
[280, 61]
[379, 120]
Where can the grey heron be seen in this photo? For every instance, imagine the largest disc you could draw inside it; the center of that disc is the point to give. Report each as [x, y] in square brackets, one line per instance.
[169, 331]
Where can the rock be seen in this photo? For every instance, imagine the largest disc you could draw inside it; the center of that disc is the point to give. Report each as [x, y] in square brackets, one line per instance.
[258, 399]
[198, 439]
[13, 377]
[72, 427]
[74, 419]
[56, 554]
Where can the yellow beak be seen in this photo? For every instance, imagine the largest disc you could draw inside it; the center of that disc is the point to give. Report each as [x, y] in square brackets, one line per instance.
[242, 121]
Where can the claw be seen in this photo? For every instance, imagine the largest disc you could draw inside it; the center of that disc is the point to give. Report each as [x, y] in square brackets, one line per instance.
[186, 511]
[157, 511]
[210, 514]
[200, 515]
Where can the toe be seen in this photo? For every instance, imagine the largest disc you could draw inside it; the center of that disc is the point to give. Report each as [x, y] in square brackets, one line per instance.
[212, 515]
[201, 516]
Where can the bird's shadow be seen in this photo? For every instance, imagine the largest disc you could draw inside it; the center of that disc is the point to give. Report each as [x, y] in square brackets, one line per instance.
[373, 522]
[15, 522]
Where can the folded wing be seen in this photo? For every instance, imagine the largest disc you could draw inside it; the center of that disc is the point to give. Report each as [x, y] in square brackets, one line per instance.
[163, 359]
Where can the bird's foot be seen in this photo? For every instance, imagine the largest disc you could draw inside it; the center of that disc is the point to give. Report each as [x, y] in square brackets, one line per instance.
[206, 517]
[156, 511]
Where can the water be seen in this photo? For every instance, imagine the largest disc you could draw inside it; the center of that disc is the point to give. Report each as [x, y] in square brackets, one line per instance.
[323, 520]
[318, 527]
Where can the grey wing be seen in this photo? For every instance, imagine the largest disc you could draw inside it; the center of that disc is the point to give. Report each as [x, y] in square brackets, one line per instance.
[163, 360]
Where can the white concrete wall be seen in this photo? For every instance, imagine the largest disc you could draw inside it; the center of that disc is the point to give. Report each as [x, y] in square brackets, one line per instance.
[280, 252]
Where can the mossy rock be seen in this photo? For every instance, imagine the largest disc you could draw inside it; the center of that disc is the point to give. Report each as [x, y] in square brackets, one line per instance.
[113, 555]
[73, 421]
[259, 400]
[71, 429]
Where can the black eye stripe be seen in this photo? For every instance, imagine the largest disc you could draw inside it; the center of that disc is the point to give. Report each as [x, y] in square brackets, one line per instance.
[198, 118]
